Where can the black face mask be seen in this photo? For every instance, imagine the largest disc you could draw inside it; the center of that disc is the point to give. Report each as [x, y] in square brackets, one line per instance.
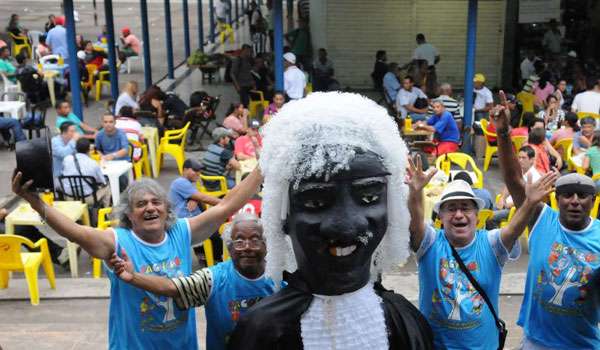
[336, 225]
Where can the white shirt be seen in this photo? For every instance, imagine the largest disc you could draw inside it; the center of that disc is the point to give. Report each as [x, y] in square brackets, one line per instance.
[427, 52]
[125, 100]
[587, 101]
[535, 175]
[406, 97]
[527, 68]
[294, 82]
[131, 127]
[483, 96]
[88, 166]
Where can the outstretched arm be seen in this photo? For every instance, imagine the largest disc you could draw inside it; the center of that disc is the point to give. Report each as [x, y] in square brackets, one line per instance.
[534, 195]
[123, 268]
[98, 243]
[416, 180]
[208, 222]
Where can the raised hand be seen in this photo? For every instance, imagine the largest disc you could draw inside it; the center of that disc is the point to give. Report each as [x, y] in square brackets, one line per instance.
[21, 190]
[536, 192]
[500, 113]
[122, 267]
[416, 179]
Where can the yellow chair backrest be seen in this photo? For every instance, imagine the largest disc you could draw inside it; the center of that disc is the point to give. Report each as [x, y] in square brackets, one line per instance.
[462, 160]
[594, 211]
[486, 133]
[581, 115]
[571, 163]
[104, 221]
[563, 145]
[518, 141]
[177, 134]
[261, 96]
[215, 193]
[527, 101]
[553, 202]
[482, 217]
[10, 251]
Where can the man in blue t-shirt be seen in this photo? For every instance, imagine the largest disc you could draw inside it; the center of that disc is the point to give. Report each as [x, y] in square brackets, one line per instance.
[444, 126]
[226, 290]
[111, 142]
[184, 195]
[456, 311]
[564, 249]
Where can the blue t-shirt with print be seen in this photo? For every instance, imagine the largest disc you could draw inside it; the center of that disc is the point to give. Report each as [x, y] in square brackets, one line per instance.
[555, 312]
[230, 297]
[142, 320]
[180, 192]
[458, 315]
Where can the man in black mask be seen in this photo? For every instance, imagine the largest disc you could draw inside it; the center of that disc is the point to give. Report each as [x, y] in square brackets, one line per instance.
[334, 209]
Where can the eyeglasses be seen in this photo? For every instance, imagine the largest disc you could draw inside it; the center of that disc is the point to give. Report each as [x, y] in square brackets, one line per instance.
[465, 210]
[254, 243]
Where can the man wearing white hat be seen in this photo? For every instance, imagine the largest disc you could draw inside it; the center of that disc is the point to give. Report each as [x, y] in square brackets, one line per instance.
[294, 80]
[459, 266]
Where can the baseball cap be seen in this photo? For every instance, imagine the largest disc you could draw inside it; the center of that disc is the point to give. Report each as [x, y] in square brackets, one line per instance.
[125, 30]
[254, 124]
[192, 164]
[221, 132]
[458, 189]
[290, 57]
[575, 183]
[479, 78]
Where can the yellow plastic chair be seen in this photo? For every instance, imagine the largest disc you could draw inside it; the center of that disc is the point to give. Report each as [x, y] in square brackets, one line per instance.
[527, 101]
[571, 164]
[581, 115]
[16, 48]
[445, 161]
[562, 146]
[215, 193]
[226, 32]
[209, 253]
[518, 141]
[482, 217]
[176, 150]
[102, 80]
[254, 105]
[12, 259]
[594, 211]
[490, 149]
[103, 223]
[143, 163]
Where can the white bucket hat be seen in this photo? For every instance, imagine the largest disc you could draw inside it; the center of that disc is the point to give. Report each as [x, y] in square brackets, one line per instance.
[290, 57]
[458, 189]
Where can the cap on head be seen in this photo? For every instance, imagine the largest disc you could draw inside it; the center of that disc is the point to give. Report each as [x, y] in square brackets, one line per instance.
[458, 189]
[290, 57]
[479, 78]
[575, 183]
[59, 21]
[220, 132]
[192, 164]
[125, 30]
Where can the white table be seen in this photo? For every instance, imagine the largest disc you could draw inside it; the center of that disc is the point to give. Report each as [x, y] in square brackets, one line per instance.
[16, 109]
[113, 170]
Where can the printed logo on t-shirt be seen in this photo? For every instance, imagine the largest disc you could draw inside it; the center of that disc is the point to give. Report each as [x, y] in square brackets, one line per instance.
[238, 307]
[457, 294]
[561, 286]
[159, 313]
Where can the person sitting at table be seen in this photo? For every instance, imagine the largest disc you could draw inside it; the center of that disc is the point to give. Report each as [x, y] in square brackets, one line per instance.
[245, 145]
[64, 114]
[411, 101]
[63, 145]
[128, 97]
[218, 159]
[152, 101]
[58, 254]
[237, 119]
[447, 136]
[127, 123]
[8, 125]
[32, 81]
[567, 130]
[111, 142]
[80, 164]
[42, 49]
[6, 66]
[98, 58]
[552, 114]
[131, 46]
[278, 102]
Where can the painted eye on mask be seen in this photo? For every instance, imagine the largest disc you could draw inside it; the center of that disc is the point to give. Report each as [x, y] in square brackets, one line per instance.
[314, 204]
[369, 198]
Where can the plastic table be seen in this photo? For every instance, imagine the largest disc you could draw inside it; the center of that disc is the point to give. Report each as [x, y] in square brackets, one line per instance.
[16, 109]
[113, 169]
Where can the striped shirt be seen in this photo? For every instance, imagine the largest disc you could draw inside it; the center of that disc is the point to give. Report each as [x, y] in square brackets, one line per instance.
[215, 160]
[193, 290]
[451, 106]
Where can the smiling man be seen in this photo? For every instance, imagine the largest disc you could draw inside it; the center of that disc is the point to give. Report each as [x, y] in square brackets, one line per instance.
[334, 209]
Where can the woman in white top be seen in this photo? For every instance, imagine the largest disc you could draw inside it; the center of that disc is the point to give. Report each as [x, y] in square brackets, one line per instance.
[128, 97]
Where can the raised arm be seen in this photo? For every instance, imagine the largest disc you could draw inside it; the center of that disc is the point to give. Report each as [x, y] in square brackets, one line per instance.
[416, 180]
[123, 268]
[208, 222]
[534, 195]
[98, 243]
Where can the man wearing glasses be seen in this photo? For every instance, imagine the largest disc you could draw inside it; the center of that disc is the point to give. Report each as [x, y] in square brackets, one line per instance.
[226, 290]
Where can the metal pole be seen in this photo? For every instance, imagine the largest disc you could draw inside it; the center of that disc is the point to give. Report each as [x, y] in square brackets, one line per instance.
[290, 14]
[112, 62]
[470, 61]
[230, 13]
[186, 29]
[212, 21]
[95, 14]
[200, 27]
[169, 42]
[278, 38]
[146, 39]
[237, 11]
[74, 78]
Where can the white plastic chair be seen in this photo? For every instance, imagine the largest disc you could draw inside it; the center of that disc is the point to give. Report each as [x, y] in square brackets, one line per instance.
[136, 58]
[9, 86]
[49, 59]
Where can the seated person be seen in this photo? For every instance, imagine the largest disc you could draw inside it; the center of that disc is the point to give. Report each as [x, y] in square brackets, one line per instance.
[591, 161]
[111, 142]
[127, 123]
[567, 129]
[391, 85]
[42, 48]
[443, 124]
[81, 164]
[187, 201]
[128, 97]
[6, 65]
[481, 193]
[96, 57]
[62, 145]
[245, 145]
[411, 101]
[64, 114]
[131, 45]
[543, 151]
[237, 119]
[218, 159]
[278, 102]
[505, 203]
[32, 81]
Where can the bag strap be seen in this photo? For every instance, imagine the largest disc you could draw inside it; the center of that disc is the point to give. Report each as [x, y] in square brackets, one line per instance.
[499, 323]
[77, 163]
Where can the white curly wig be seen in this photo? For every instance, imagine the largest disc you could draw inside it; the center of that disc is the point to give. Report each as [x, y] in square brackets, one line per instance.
[319, 135]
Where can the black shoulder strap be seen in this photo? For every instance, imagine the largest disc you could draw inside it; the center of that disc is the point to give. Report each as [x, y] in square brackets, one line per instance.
[77, 163]
[499, 323]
